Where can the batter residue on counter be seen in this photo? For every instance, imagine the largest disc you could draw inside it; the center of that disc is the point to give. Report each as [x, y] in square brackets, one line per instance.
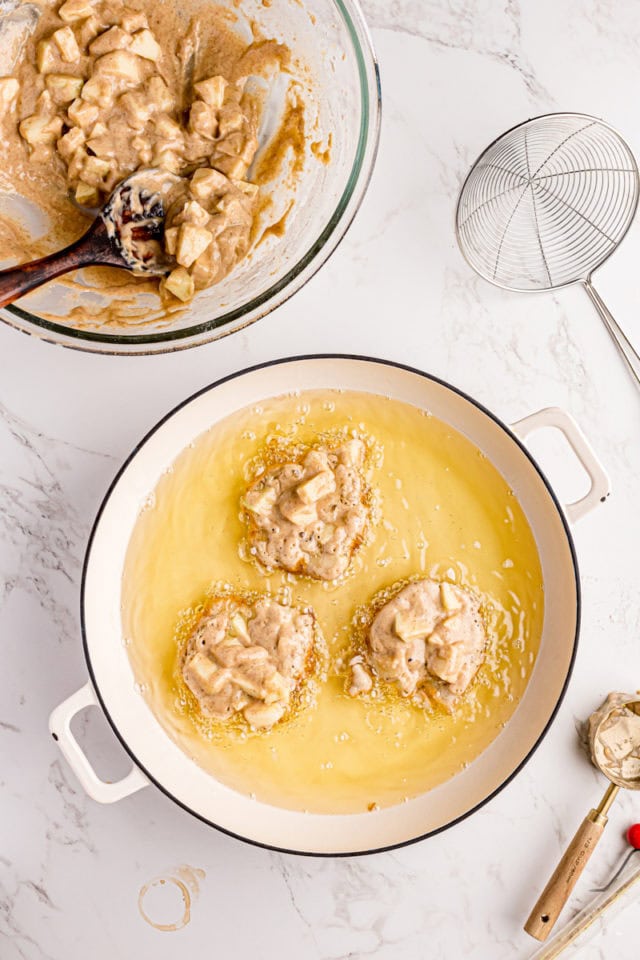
[104, 88]
[443, 512]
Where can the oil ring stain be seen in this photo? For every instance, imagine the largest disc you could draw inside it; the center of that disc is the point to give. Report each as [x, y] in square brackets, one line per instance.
[186, 881]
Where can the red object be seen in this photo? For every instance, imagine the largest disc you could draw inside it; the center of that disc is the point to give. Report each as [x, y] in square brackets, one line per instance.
[633, 836]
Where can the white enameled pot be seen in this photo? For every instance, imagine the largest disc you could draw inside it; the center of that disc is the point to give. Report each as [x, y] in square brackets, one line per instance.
[159, 760]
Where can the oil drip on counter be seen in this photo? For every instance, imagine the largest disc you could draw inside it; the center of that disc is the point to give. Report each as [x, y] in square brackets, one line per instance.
[165, 902]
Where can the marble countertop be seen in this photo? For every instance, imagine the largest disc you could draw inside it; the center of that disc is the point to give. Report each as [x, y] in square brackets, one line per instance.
[455, 74]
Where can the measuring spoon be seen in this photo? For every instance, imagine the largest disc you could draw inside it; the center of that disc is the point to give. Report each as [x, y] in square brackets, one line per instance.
[566, 875]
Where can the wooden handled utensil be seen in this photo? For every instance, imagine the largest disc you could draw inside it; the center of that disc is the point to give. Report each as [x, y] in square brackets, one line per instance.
[567, 873]
[126, 233]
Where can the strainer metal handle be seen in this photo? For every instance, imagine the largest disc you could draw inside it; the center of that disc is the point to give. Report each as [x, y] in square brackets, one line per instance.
[622, 342]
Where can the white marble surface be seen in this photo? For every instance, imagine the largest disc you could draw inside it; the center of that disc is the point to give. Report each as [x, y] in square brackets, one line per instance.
[454, 75]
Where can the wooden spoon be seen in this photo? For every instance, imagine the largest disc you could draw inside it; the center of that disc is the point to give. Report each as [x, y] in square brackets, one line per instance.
[126, 233]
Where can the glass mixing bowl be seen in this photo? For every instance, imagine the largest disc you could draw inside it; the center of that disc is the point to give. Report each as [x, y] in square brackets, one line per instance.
[342, 95]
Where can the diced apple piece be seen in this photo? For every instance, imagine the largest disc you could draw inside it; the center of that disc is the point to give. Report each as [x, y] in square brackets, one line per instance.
[82, 113]
[76, 163]
[122, 64]
[112, 39]
[247, 683]
[143, 148]
[9, 88]
[228, 645]
[137, 107]
[44, 104]
[207, 267]
[144, 44]
[86, 195]
[263, 714]
[180, 284]
[234, 167]
[202, 670]
[62, 87]
[54, 127]
[448, 597]
[45, 56]
[302, 514]
[70, 142]
[32, 129]
[95, 171]
[206, 182]
[74, 10]
[203, 120]
[276, 688]
[219, 680]
[352, 452]
[211, 91]
[67, 44]
[327, 533]
[98, 90]
[87, 31]
[263, 503]
[448, 662]
[238, 627]
[40, 130]
[316, 487]
[132, 20]
[103, 146]
[217, 223]
[192, 241]
[231, 119]
[236, 210]
[167, 128]
[249, 189]
[192, 212]
[407, 626]
[171, 240]
[232, 145]
[159, 94]
[167, 160]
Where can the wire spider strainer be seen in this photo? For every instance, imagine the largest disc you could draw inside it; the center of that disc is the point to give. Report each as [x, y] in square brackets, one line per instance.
[546, 204]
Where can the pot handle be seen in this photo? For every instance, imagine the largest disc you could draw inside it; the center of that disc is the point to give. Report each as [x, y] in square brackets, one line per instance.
[60, 729]
[562, 421]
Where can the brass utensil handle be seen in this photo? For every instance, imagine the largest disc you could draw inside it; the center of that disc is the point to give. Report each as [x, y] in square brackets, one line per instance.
[566, 875]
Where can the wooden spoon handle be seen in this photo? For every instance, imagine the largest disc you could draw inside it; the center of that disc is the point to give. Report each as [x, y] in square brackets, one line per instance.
[17, 281]
[566, 875]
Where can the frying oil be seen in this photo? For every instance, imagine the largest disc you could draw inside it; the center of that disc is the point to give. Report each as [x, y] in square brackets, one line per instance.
[442, 510]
